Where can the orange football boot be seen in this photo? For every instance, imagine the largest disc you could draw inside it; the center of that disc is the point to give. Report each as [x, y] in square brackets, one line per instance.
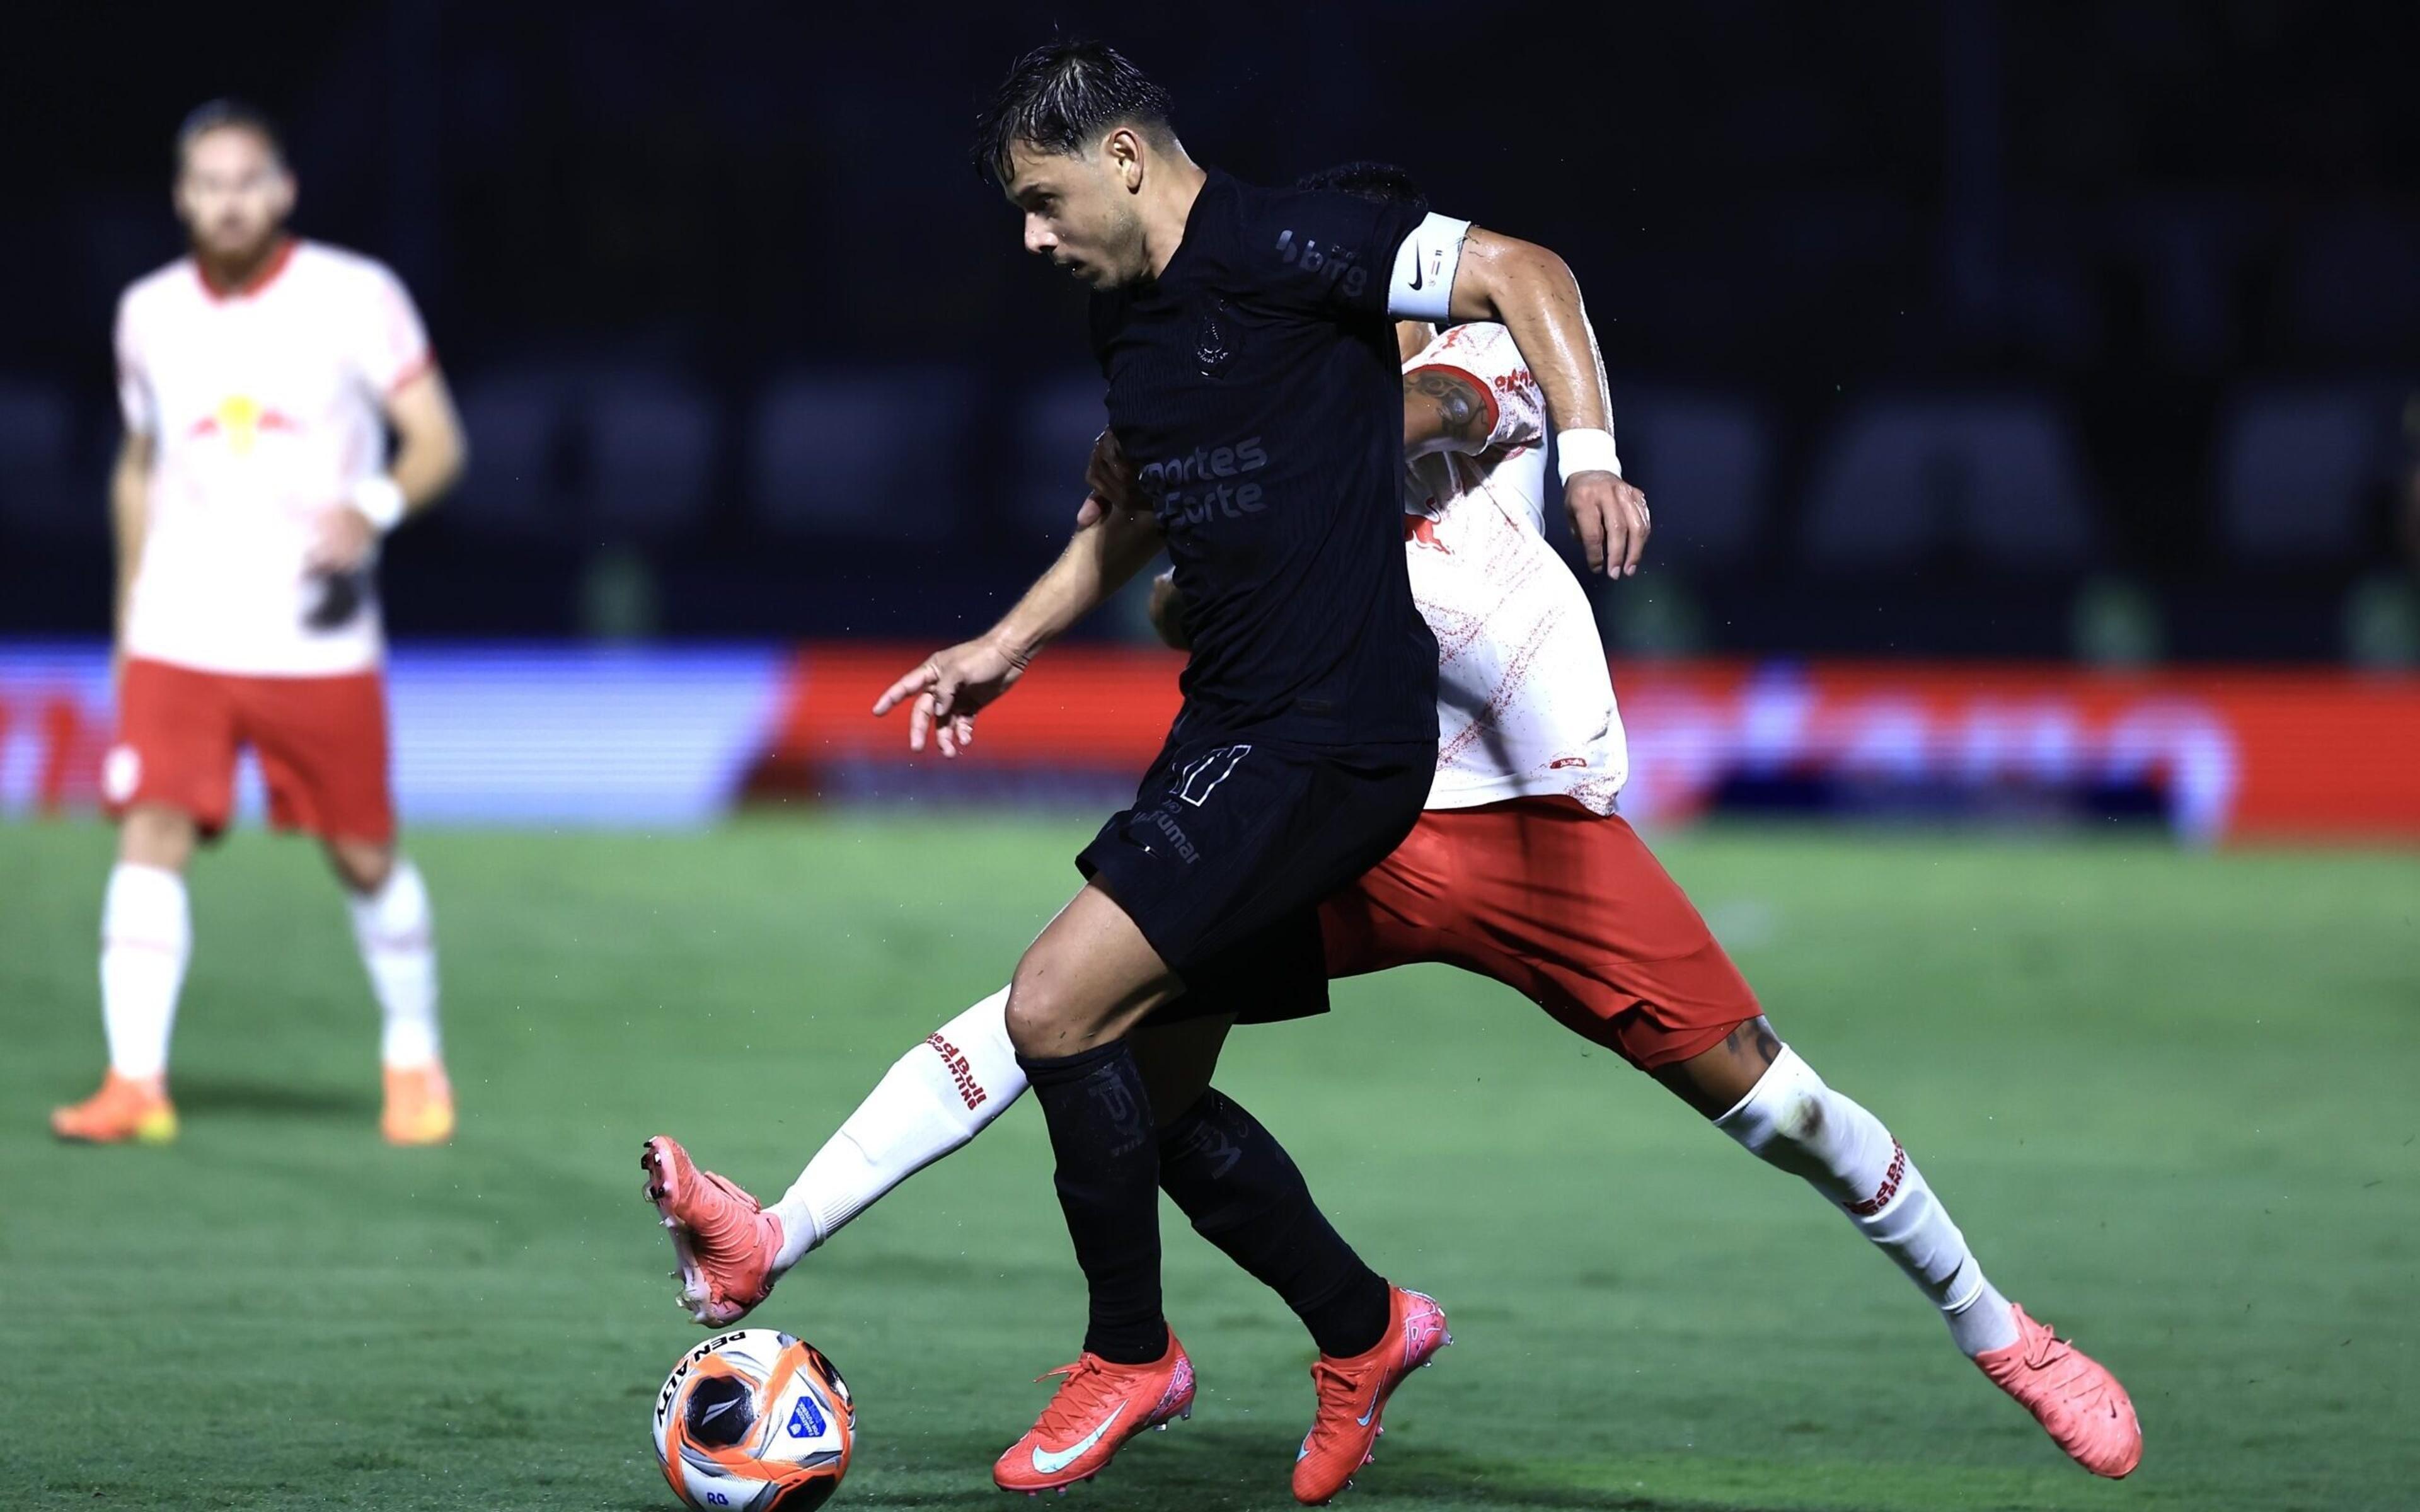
[726, 1242]
[1353, 1393]
[419, 1106]
[126, 1110]
[1097, 1408]
[2072, 1395]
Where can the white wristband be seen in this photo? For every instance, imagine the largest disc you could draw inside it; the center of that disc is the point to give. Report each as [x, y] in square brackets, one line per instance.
[379, 499]
[1585, 451]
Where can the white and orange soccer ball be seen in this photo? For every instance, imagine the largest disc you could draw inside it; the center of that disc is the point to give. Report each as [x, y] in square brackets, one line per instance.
[752, 1421]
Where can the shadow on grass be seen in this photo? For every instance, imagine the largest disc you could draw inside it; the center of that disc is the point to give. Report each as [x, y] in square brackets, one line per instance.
[206, 1095]
[1241, 1470]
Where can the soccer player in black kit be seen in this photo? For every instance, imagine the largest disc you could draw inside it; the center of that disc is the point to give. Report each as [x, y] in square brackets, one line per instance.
[1255, 392]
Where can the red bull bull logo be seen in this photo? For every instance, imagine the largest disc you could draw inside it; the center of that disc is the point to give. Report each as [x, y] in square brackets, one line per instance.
[242, 421]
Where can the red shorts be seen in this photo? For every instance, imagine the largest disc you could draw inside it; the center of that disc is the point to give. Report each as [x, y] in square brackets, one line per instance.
[1566, 907]
[321, 743]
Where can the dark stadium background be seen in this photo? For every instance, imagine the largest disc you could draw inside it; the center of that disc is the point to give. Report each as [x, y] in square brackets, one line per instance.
[2029, 397]
[1973, 329]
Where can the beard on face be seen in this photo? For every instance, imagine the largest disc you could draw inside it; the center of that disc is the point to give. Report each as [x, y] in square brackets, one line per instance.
[236, 239]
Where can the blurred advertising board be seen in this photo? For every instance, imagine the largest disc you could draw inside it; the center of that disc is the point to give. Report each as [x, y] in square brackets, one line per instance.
[567, 735]
[506, 734]
[2212, 753]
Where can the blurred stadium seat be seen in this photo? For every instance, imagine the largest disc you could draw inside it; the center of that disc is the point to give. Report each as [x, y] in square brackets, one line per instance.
[2296, 465]
[2185, 247]
[1057, 422]
[651, 447]
[2350, 289]
[515, 418]
[42, 493]
[1706, 462]
[867, 456]
[1903, 481]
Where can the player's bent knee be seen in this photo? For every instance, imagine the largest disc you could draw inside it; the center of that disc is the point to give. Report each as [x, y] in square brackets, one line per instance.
[1051, 1012]
[363, 867]
[1786, 1121]
[1038, 1017]
[152, 835]
[1723, 1074]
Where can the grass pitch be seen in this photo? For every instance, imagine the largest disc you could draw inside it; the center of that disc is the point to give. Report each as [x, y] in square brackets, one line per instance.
[2169, 1097]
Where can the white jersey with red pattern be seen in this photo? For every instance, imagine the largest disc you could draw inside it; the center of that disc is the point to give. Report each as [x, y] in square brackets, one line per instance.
[1524, 704]
[264, 405]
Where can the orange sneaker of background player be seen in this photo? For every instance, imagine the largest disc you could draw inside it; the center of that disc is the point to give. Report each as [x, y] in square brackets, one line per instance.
[724, 1239]
[1353, 1393]
[2072, 1395]
[419, 1106]
[1096, 1409]
[125, 1109]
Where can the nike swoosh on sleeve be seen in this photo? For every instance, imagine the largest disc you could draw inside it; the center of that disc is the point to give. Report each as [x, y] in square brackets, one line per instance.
[1418, 263]
[1046, 1462]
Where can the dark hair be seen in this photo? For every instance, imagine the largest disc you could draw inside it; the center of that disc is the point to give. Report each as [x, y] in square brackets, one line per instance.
[1060, 97]
[1381, 181]
[220, 114]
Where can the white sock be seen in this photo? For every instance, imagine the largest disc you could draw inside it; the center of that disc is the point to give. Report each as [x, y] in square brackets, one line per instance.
[146, 935]
[398, 937]
[1791, 1120]
[930, 1103]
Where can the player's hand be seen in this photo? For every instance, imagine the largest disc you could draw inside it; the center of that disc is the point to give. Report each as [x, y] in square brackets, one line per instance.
[1168, 613]
[341, 538]
[1610, 521]
[1109, 474]
[946, 693]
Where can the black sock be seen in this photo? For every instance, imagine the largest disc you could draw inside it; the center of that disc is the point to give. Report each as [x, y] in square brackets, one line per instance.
[1109, 1187]
[1244, 1195]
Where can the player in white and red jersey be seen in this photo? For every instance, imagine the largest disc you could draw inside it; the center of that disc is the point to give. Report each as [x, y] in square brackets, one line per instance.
[258, 377]
[1519, 870]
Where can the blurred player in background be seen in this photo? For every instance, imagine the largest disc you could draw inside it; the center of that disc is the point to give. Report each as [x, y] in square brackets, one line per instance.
[259, 376]
[1519, 870]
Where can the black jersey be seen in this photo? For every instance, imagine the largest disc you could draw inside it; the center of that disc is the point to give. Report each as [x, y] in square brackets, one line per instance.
[1256, 389]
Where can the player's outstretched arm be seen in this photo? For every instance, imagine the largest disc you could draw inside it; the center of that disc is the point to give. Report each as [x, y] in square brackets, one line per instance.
[1531, 292]
[1114, 539]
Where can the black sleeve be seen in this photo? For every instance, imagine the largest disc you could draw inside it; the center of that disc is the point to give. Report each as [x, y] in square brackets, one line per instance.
[1321, 251]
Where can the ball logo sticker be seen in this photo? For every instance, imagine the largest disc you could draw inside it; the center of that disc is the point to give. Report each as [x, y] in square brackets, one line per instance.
[805, 1421]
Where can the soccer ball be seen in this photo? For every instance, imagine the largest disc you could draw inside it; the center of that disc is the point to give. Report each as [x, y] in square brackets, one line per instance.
[752, 1421]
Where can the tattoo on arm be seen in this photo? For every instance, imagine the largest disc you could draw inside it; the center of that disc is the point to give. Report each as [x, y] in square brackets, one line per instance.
[1461, 409]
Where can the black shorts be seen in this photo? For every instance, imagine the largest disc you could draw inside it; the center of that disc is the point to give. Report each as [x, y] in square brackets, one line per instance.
[1230, 849]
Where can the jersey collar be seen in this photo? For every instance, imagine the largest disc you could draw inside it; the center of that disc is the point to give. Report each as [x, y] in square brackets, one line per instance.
[1215, 182]
[220, 293]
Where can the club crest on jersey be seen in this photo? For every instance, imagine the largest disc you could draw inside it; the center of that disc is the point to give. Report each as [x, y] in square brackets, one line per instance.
[241, 421]
[1214, 343]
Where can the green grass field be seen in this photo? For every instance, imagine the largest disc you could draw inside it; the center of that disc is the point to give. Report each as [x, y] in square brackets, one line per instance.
[2169, 1097]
